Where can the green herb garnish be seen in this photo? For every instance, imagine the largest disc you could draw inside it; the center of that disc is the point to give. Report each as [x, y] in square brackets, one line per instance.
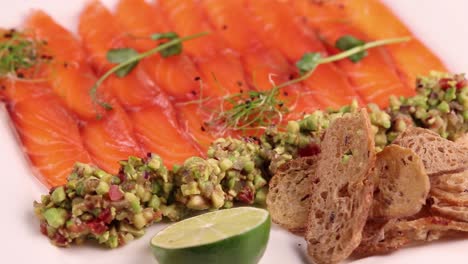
[171, 51]
[348, 42]
[308, 62]
[19, 53]
[128, 59]
[121, 56]
[253, 110]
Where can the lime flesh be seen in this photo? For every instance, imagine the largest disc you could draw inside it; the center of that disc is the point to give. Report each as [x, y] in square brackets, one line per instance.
[237, 235]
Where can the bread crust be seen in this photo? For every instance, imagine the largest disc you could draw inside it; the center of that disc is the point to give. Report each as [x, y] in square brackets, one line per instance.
[439, 155]
[288, 199]
[451, 188]
[449, 195]
[341, 200]
[400, 233]
[402, 185]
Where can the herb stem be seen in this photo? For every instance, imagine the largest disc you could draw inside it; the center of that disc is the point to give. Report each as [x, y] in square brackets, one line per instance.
[344, 55]
[369, 45]
[137, 58]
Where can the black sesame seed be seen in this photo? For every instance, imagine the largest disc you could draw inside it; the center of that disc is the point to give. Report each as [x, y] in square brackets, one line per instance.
[20, 75]
[197, 78]
[194, 92]
[285, 93]
[203, 128]
[239, 83]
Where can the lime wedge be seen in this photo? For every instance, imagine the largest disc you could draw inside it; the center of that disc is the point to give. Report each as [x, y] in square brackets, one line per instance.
[237, 235]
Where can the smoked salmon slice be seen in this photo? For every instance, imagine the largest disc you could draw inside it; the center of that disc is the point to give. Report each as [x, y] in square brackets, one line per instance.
[377, 21]
[220, 68]
[48, 132]
[59, 41]
[158, 135]
[179, 75]
[265, 67]
[66, 72]
[176, 75]
[186, 18]
[274, 24]
[193, 120]
[136, 92]
[375, 77]
[13, 91]
[232, 23]
[111, 139]
[100, 33]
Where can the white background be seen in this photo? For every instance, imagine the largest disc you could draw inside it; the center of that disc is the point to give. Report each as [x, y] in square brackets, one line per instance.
[440, 24]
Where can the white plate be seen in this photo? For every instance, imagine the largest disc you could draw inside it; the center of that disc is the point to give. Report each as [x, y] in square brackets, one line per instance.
[440, 24]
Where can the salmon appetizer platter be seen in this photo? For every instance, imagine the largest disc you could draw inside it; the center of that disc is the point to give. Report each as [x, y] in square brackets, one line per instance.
[233, 131]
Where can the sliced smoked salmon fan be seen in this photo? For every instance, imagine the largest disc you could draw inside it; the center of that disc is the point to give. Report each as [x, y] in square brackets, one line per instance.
[77, 109]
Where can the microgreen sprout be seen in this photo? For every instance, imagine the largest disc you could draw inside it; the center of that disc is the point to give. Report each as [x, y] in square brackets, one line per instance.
[20, 54]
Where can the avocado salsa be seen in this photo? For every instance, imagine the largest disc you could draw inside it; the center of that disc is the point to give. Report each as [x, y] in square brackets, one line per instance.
[115, 209]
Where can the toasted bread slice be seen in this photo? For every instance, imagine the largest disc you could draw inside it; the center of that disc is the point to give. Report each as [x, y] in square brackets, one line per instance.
[451, 189]
[288, 198]
[440, 156]
[402, 184]
[374, 230]
[342, 195]
[459, 213]
[400, 233]
[463, 141]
